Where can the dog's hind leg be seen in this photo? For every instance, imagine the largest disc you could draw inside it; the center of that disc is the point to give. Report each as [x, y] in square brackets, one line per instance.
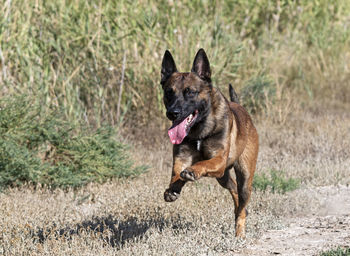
[244, 169]
[230, 184]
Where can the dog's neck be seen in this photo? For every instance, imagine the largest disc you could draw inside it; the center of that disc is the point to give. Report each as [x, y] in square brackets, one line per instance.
[217, 109]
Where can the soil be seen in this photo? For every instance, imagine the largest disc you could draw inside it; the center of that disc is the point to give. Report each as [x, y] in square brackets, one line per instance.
[327, 228]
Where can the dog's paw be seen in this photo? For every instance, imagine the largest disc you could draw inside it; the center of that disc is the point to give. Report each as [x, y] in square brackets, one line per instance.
[170, 196]
[188, 175]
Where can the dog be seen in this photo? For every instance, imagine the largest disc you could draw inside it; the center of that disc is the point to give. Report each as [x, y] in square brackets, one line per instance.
[211, 135]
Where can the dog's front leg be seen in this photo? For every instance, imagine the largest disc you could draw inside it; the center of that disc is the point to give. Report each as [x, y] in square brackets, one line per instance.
[183, 156]
[176, 184]
[214, 167]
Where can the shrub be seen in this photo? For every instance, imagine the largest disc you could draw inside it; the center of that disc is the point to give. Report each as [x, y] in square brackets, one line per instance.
[275, 181]
[337, 252]
[37, 145]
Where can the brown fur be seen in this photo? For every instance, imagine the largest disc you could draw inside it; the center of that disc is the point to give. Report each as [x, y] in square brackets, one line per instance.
[227, 137]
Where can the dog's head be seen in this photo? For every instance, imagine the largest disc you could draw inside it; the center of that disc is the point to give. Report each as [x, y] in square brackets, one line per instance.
[186, 95]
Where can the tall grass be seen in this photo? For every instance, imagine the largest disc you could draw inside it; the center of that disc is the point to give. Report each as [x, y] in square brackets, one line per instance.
[72, 51]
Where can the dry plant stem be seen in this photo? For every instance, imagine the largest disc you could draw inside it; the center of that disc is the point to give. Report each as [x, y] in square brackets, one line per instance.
[121, 86]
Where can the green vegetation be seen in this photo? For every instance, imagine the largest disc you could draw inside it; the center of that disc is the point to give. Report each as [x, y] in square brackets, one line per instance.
[38, 146]
[337, 252]
[72, 51]
[70, 55]
[256, 93]
[275, 181]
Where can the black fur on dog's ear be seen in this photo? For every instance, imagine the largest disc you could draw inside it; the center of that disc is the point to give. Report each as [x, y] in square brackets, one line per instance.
[201, 66]
[168, 67]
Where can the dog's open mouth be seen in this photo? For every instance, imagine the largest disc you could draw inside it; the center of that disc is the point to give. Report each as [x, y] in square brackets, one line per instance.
[178, 131]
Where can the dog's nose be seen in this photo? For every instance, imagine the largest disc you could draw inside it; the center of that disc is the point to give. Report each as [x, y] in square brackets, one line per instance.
[173, 114]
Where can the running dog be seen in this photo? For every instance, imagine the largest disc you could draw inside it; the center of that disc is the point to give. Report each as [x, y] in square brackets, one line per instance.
[211, 135]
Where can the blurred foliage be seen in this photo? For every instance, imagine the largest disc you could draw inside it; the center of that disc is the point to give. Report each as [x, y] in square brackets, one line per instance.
[275, 181]
[71, 52]
[256, 93]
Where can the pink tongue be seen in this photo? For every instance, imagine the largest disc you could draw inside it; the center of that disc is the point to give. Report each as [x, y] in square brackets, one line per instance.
[178, 133]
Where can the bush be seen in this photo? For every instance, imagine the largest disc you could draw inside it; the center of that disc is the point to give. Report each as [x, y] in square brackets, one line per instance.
[38, 146]
[337, 252]
[275, 181]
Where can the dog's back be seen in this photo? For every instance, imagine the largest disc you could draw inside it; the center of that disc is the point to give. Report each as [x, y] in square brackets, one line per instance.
[244, 136]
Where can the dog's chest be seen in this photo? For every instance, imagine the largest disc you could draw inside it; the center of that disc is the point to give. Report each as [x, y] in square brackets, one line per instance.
[199, 142]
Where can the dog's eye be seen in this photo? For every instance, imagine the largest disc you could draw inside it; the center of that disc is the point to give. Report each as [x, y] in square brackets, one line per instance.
[189, 93]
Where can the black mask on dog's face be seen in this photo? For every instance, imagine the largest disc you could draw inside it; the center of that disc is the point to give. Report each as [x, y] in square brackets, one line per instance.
[185, 94]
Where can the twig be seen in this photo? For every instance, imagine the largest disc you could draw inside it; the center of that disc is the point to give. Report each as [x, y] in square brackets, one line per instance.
[3, 64]
[121, 87]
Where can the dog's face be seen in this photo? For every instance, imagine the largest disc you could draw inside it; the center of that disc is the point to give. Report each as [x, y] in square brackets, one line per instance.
[186, 95]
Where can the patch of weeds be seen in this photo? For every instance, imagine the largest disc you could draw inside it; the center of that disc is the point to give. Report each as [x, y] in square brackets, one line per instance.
[39, 146]
[276, 182]
[337, 252]
[257, 92]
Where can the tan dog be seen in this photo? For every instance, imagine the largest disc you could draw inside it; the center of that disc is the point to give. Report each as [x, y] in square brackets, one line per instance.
[210, 134]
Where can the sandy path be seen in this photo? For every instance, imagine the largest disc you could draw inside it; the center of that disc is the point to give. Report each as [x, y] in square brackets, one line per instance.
[327, 228]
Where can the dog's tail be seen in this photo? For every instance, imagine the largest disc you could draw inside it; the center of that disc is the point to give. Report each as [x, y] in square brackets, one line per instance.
[233, 94]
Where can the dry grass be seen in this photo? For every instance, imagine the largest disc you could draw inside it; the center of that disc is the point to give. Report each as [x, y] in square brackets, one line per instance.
[130, 217]
[72, 53]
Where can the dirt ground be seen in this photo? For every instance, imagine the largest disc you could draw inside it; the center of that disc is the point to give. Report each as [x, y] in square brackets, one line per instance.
[130, 217]
[328, 227]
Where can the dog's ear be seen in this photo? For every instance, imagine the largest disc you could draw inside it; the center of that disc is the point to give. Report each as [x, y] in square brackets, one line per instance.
[201, 66]
[168, 67]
